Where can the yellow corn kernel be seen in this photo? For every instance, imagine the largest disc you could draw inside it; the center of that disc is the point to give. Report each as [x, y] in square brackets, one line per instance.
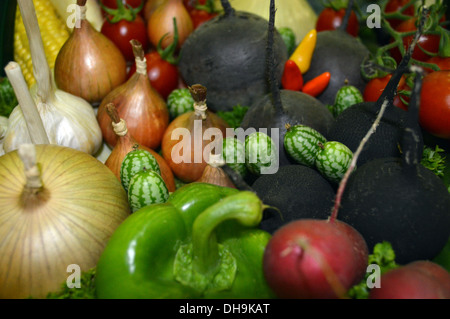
[54, 33]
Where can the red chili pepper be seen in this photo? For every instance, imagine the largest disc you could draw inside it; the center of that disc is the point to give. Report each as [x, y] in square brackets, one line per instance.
[317, 85]
[292, 78]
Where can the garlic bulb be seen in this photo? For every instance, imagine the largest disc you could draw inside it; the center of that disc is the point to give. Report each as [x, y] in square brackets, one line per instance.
[68, 120]
[3, 129]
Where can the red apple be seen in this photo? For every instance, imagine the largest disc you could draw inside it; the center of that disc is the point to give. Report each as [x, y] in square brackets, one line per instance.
[319, 259]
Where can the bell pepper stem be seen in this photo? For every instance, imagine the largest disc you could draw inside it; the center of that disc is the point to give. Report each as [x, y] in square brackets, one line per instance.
[244, 207]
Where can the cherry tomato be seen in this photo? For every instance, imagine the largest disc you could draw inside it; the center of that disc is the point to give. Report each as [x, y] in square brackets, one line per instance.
[376, 86]
[330, 19]
[113, 3]
[434, 112]
[396, 5]
[200, 16]
[164, 76]
[441, 62]
[122, 32]
[429, 42]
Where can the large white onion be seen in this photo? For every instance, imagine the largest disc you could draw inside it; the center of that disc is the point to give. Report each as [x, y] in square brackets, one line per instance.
[66, 221]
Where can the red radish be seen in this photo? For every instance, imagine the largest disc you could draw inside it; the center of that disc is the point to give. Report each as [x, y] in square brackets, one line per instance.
[316, 259]
[417, 280]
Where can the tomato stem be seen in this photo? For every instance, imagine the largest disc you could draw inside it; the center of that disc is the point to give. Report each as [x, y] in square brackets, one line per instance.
[123, 12]
[168, 53]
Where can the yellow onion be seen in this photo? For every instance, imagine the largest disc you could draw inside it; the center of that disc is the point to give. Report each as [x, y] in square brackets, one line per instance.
[89, 65]
[67, 120]
[138, 104]
[160, 23]
[58, 208]
[126, 143]
[214, 174]
[186, 138]
[150, 6]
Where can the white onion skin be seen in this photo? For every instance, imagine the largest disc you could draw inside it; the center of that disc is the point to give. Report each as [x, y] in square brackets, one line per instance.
[84, 205]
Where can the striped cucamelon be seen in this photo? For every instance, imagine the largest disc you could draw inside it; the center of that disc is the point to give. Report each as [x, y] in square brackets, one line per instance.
[180, 101]
[302, 143]
[134, 162]
[346, 96]
[234, 155]
[333, 160]
[146, 188]
[261, 154]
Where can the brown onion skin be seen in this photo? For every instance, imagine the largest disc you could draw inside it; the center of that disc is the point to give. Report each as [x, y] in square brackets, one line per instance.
[142, 108]
[126, 144]
[216, 176]
[160, 22]
[76, 74]
[189, 172]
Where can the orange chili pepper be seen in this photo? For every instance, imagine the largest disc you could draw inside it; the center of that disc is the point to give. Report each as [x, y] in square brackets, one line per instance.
[317, 85]
[292, 78]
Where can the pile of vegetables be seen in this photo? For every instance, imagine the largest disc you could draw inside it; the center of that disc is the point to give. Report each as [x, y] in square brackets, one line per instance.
[219, 149]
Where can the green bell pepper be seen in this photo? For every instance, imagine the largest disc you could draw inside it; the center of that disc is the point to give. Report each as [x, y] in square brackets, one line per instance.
[202, 243]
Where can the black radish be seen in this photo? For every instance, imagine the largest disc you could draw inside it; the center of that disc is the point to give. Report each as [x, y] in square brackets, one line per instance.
[294, 192]
[341, 54]
[396, 199]
[280, 107]
[352, 124]
[227, 55]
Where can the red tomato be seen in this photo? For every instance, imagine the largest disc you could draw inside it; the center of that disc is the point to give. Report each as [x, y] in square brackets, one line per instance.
[429, 42]
[122, 32]
[330, 19]
[200, 16]
[376, 86]
[441, 62]
[164, 76]
[395, 5]
[113, 3]
[434, 112]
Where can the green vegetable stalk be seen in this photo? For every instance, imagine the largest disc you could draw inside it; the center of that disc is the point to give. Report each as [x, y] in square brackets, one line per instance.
[202, 243]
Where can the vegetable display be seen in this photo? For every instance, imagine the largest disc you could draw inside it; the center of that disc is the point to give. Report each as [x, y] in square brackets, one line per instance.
[236, 41]
[280, 107]
[88, 54]
[341, 54]
[68, 119]
[202, 243]
[137, 103]
[186, 138]
[408, 191]
[126, 143]
[387, 138]
[224, 149]
[123, 25]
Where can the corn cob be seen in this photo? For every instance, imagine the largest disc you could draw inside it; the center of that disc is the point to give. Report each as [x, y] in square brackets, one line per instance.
[54, 33]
